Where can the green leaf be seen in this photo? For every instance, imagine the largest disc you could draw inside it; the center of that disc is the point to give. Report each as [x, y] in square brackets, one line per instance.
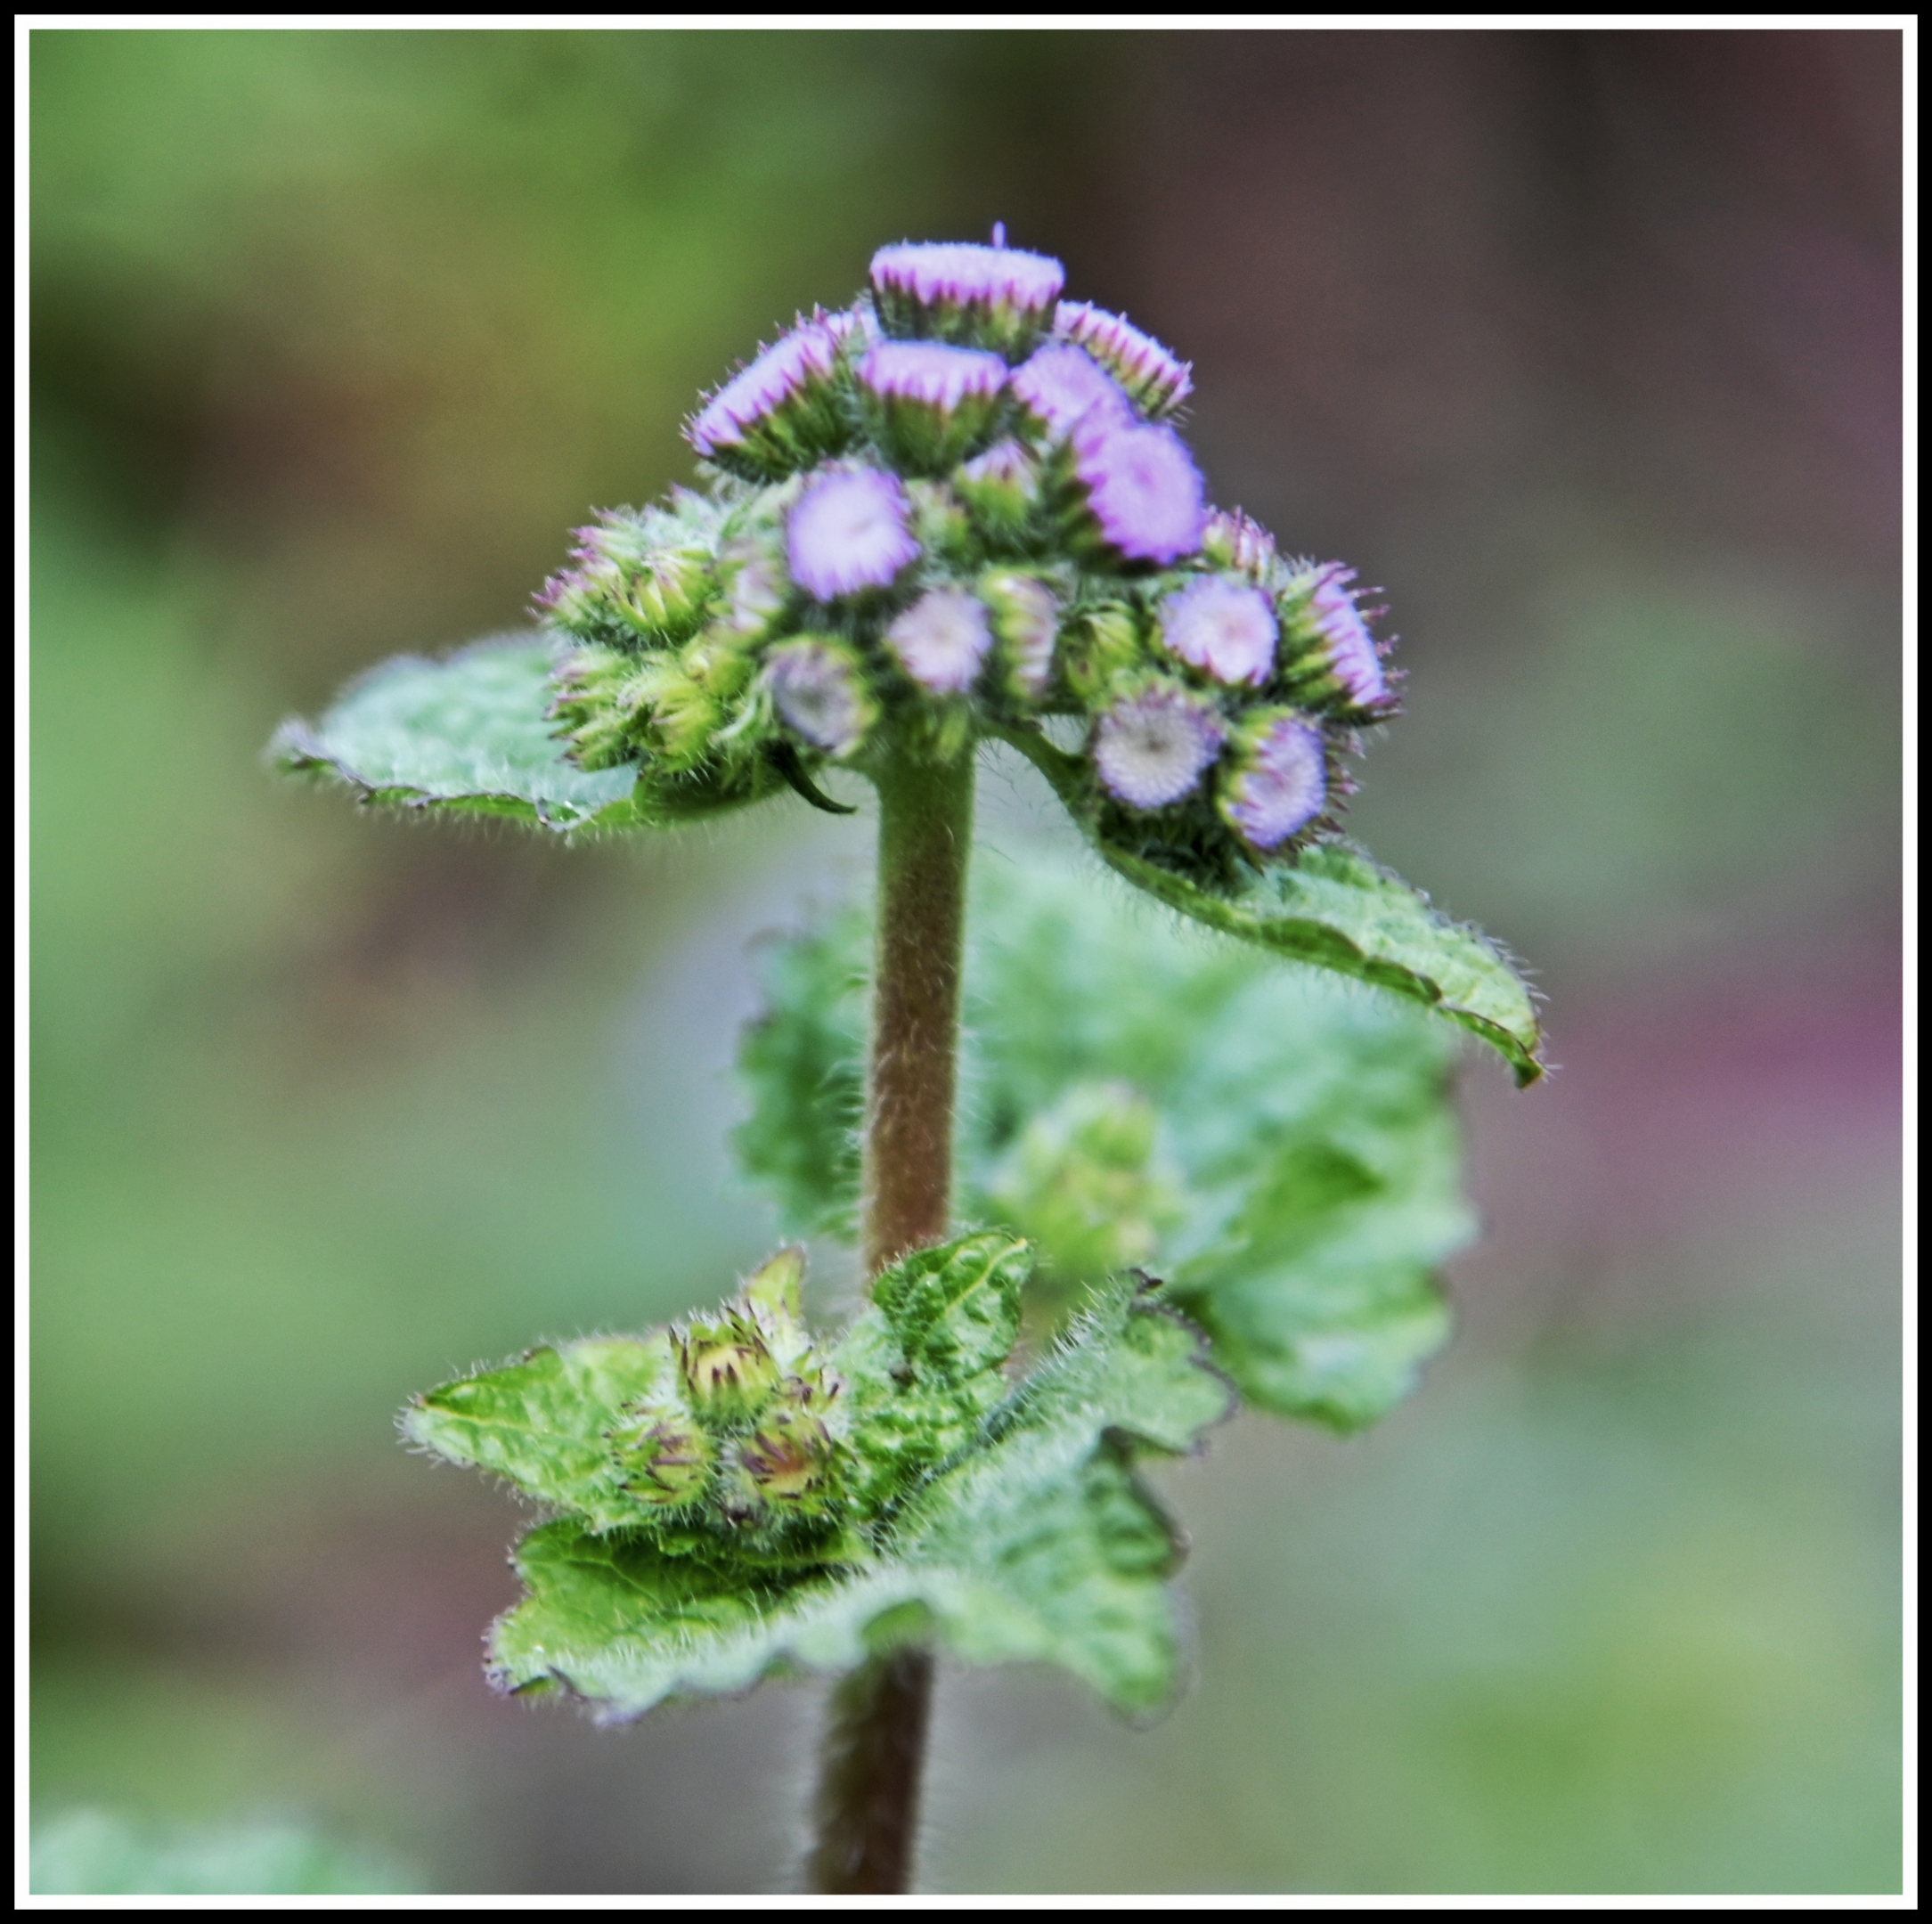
[1338, 910]
[540, 1423]
[1279, 1145]
[804, 1062]
[1035, 1543]
[470, 732]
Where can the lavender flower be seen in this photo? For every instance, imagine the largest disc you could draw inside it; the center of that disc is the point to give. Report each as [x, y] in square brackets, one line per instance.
[781, 413]
[1338, 628]
[927, 403]
[1026, 623]
[941, 640]
[1279, 780]
[819, 694]
[1222, 628]
[1143, 491]
[1157, 380]
[1060, 386]
[849, 532]
[1150, 747]
[1242, 546]
[981, 297]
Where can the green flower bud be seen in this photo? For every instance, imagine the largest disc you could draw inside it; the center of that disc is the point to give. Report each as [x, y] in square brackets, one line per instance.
[603, 696]
[729, 1370]
[776, 1290]
[1001, 490]
[1026, 623]
[788, 1459]
[661, 1459]
[1101, 644]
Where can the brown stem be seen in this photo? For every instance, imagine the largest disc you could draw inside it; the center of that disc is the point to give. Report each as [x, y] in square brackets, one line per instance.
[868, 1786]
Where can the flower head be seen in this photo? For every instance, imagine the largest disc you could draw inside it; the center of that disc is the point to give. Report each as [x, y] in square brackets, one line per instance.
[819, 694]
[1157, 380]
[1142, 489]
[781, 412]
[1236, 542]
[928, 403]
[1062, 385]
[1150, 747]
[1223, 628]
[941, 640]
[1279, 779]
[981, 297]
[1344, 635]
[848, 531]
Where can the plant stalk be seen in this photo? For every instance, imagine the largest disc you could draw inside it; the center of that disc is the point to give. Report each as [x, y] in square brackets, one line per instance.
[868, 1788]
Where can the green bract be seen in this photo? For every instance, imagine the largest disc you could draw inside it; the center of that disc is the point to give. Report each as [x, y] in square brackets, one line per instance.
[942, 1501]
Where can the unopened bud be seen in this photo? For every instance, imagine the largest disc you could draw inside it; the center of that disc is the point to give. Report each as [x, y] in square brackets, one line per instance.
[1276, 779]
[818, 689]
[788, 1457]
[661, 1459]
[995, 297]
[1239, 544]
[1099, 646]
[1001, 492]
[1026, 623]
[1158, 380]
[927, 405]
[782, 412]
[727, 1369]
[1331, 656]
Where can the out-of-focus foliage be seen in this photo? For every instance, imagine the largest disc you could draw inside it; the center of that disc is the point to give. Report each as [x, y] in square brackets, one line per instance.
[95, 1853]
[1280, 1149]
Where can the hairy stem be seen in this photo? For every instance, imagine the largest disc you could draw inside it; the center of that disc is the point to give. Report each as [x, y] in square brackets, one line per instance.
[868, 1786]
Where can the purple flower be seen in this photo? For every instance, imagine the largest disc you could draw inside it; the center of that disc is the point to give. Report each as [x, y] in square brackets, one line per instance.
[1143, 489]
[941, 640]
[818, 692]
[1351, 648]
[1222, 628]
[992, 297]
[1155, 378]
[849, 532]
[926, 402]
[1150, 747]
[1279, 781]
[1061, 386]
[779, 413]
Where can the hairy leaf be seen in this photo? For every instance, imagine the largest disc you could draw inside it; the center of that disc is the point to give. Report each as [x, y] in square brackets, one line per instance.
[1279, 1145]
[1034, 1542]
[470, 732]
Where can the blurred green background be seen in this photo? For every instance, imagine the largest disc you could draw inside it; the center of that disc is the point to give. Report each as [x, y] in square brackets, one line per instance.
[1585, 344]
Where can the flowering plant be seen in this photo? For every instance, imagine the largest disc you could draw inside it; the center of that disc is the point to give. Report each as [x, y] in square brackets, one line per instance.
[959, 512]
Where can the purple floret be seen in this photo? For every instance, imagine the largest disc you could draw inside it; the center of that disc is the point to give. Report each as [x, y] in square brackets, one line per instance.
[1063, 385]
[930, 371]
[1157, 377]
[1280, 785]
[1141, 487]
[1150, 747]
[1351, 647]
[848, 531]
[1223, 628]
[805, 354]
[941, 640]
[962, 274]
[818, 695]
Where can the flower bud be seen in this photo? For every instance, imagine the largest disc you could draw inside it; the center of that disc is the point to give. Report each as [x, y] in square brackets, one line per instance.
[1025, 615]
[1331, 655]
[661, 1459]
[995, 297]
[818, 689]
[1242, 546]
[1061, 386]
[637, 577]
[728, 1372]
[1276, 779]
[1001, 491]
[1151, 746]
[1224, 628]
[926, 404]
[602, 700]
[1157, 380]
[775, 1289]
[788, 1458]
[847, 533]
[782, 412]
[1100, 645]
[941, 640]
[1136, 494]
